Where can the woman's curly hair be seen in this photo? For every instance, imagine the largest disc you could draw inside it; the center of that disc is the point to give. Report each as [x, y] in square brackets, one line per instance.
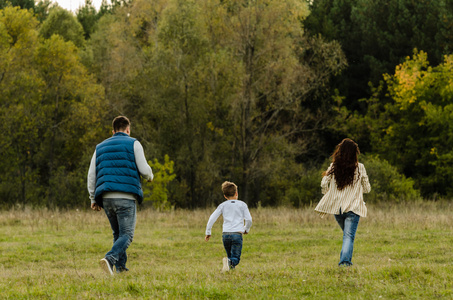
[345, 162]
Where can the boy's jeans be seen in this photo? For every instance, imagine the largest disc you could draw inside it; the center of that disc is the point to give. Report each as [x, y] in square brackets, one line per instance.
[232, 241]
[122, 215]
[348, 223]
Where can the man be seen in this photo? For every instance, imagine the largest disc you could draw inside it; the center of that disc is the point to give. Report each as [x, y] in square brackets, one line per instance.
[114, 184]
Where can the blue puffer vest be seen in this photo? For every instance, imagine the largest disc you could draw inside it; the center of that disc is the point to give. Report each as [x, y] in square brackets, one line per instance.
[116, 170]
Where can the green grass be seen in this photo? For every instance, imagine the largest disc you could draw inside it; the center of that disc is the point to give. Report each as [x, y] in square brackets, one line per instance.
[401, 252]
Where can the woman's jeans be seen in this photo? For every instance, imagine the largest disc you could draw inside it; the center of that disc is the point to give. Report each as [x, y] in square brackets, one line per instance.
[122, 215]
[348, 223]
[232, 241]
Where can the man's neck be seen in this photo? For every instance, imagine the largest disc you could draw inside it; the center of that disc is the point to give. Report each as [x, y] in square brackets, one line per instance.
[126, 131]
[119, 131]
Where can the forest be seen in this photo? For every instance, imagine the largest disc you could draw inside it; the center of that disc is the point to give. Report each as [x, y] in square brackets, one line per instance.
[258, 92]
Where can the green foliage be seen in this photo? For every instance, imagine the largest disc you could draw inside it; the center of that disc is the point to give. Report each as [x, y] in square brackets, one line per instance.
[23, 4]
[88, 18]
[242, 93]
[408, 123]
[307, 189]
[42, 9]
[224, 94]
[50, 109]
[158, 193]
[387, 184]
[19, 91]
[378, 35]
[65, 24]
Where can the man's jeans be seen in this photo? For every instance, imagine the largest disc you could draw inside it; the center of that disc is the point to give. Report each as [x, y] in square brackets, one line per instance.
[232, 241]
[348, 223]
[122, 215]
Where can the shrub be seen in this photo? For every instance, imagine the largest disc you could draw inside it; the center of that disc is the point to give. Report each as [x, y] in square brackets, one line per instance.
[387, 184]
[306, 190]
[157, 193]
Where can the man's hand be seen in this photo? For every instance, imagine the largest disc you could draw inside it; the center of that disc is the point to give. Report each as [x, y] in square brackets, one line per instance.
[206, 238]
[95, 207]
[245, 232]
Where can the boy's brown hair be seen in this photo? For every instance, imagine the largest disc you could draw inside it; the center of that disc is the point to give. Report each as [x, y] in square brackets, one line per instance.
[229, 189]
[120, 123]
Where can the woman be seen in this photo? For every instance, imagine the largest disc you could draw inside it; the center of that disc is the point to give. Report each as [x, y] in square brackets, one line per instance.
[343, 186]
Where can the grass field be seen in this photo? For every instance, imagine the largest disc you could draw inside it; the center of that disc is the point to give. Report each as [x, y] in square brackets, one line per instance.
[401, 252]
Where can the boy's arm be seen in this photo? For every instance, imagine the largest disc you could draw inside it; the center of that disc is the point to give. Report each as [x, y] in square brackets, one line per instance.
[215, 215]
[247, 219]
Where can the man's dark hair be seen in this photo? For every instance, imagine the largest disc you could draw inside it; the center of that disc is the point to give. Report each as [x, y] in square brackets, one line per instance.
[120, 123]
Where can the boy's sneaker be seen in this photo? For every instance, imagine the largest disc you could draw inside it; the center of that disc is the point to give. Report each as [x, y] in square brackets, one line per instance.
[226, 264]
[106, 266]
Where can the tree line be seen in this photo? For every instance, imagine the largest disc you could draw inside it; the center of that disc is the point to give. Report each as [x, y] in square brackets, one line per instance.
[256, 92]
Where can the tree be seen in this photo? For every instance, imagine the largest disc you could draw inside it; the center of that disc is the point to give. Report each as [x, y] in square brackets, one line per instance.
[378, 35]
[87, 17]
[224, 94]
[51, 111]
[279, 72]
[19, 86]
[24, 4]
[42, 9]
[412, 128]
[65, 24]
[69, 94]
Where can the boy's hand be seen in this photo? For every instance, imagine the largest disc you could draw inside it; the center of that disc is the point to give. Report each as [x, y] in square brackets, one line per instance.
[206, 238]
[245, 232]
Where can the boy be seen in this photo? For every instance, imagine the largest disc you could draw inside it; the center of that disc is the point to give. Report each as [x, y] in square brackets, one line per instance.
[234, 212]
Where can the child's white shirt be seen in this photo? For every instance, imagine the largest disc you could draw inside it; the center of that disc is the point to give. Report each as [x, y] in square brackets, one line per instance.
[234, 212]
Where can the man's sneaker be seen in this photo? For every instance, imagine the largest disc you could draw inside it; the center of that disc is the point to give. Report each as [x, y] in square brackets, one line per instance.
[121, 270]
[230, 264]
[106, 266]
[226, 264]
